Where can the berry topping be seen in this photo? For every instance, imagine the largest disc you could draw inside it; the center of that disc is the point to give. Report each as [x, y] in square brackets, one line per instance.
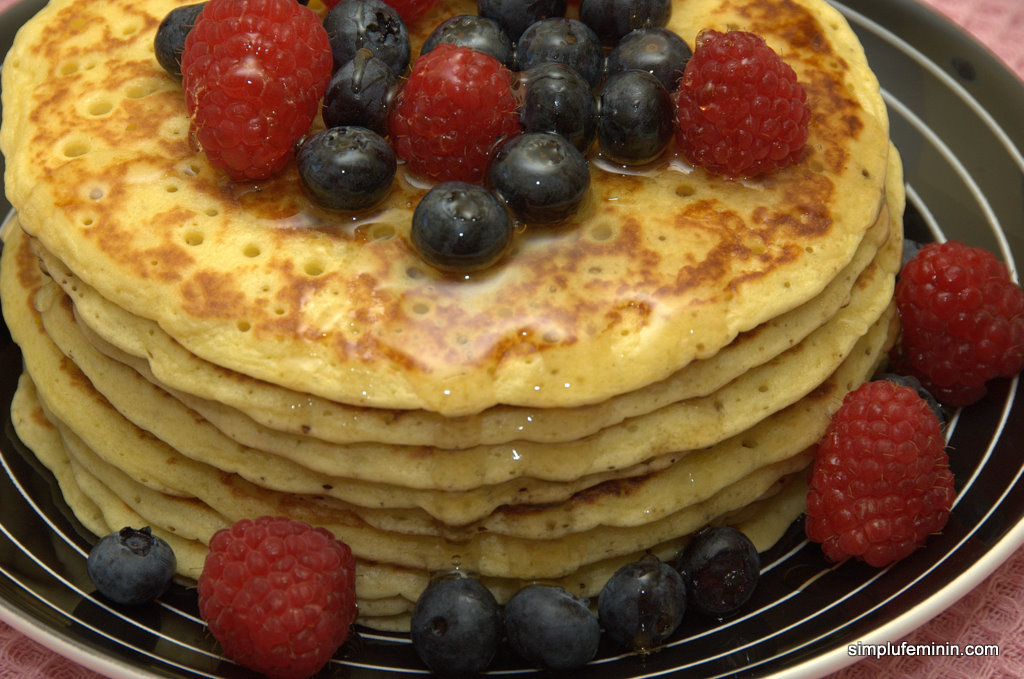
[557, 99]
[278, 594]
[131, 566]
[721, 568]
[253, 72]
[411, 10]
[550, 628]
[564, 41]
[963, 321]
[635, 124]
[360, 93]
[346, 168]
[656, 50]
[456, 106]
[514, 16]
[642, 604]
[541, 176]
[470, 30]
[880, 483]
[458, 226]
[354, 24]
[741, 111]
[612, 19]
[170, 36]
[456, 626]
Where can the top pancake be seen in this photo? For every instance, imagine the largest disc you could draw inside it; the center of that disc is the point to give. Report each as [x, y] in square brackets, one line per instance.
[658, 268]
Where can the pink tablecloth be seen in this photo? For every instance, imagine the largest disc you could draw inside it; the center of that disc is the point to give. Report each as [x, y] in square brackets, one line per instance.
[992, 613]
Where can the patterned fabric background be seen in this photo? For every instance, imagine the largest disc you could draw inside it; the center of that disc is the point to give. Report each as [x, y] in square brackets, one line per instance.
[992, 613]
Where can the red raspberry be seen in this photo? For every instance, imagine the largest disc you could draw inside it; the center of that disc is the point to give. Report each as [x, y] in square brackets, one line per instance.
[880, 483]
[278, 595]
[453, 111]
[963, 321]
[739, 108]
[253, 72]
[410, 10]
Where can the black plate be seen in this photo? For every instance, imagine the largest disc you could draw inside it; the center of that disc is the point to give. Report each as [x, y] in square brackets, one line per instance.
[956, 118]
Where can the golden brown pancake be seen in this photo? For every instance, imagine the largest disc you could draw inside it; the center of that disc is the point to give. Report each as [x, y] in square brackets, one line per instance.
[656, 270]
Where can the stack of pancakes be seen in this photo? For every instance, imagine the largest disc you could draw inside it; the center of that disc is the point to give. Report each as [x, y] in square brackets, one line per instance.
[198, 351]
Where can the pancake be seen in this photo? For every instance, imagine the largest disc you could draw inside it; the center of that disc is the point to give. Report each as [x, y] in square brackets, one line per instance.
[613, 519]
[186, 434]
[657, 270]
[170, 454]
[217, 392]
[386, 593]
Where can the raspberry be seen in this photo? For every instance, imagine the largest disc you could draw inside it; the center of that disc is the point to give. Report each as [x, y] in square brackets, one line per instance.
[409, 10]
[963, 321]
[453, 111]
[253, 72]
[278, 595]
[739, 109]
[880, 483]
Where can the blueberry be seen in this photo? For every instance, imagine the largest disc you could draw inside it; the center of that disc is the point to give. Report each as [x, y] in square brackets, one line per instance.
[170, 36]
[479, 33]
[458, 226]
[541, 175]
[550, 628]
[359, 93]
[656, 50]
[635, 119]
[131, 566]
[613, 19]
[721, 568]
[456, 626]
[346, 168]
[557, 99]
[915, 384]
[565, 41]
[354, 24]
[642, 604]
[515, 15]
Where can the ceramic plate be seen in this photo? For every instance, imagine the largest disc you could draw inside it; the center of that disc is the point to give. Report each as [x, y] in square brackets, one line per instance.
[956, 120]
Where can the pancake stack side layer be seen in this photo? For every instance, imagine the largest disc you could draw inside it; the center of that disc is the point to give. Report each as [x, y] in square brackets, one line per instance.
[198, 351]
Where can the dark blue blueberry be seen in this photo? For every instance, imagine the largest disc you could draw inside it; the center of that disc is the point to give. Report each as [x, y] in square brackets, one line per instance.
[170, 36]
[541, 175]
[557, 99]
[479, 33]
[354, 24]
[550, 628]
[359, 93]
[656, 50]
[456, 626]
[346, 168]
[565, 41]
[635, 118]
[515, 15]
[721, 568]
[613, 19]
[915, 384]
[131, 566]
[458, 226]
[642, 604]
